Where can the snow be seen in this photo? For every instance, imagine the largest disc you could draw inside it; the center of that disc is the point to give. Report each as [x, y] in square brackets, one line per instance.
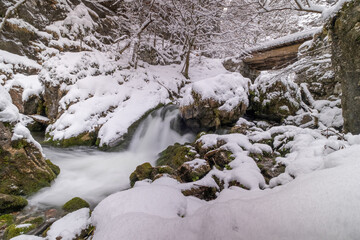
[40, 118]
[128, 93]
[331, 11]
[230, 89]
[196, 163]
[17, 60]
[27, 237]
[21, 132]
[25, 225]
[30, 84]
[70, 226]
[318, 205]
[282, 41]
[8, 111]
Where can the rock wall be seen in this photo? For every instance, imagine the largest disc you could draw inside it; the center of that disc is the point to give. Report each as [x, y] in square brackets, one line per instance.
[345, 34]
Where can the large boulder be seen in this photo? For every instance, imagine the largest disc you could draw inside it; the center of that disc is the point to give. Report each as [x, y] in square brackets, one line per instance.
[75, 204]
[215, 102]
[23, 168]
[345, 34]
[275, 95]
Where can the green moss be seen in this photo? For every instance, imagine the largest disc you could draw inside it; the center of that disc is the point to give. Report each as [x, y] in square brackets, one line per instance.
[141, 172]
[13, 231]
[36, 221]
[175, 156]
[164, 169]
[19, 144]
[6, 220]
[10, 203]
[97, 143]
[14, 173]
[260, 166]
[53, 167]
[41, 110]
[195, 178]
[75, 204]
[200, 135]
[84, 139]
[227, 167]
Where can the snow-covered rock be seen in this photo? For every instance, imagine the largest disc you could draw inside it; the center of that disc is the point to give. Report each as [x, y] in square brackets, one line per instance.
[26, 169]
[215, 101]
[275, 95]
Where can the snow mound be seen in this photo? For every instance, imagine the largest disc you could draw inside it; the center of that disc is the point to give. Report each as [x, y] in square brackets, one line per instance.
[30, 84]
[8, 111]
[70, 226]
[231, 89]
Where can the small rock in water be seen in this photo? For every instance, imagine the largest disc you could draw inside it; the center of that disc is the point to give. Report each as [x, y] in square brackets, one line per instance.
[51, 213]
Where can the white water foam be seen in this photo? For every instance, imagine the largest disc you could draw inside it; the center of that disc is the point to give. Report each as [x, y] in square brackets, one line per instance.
[92, 174]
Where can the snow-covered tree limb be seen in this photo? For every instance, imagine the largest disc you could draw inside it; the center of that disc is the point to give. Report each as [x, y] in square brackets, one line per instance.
[298, 5]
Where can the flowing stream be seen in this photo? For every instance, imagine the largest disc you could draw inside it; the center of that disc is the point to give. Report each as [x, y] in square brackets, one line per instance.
[93, 174]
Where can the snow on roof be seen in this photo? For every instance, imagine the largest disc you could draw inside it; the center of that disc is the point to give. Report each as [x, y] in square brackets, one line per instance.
[298, 37]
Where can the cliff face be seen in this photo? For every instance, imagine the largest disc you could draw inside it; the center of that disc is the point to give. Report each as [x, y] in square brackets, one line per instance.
[345, 34]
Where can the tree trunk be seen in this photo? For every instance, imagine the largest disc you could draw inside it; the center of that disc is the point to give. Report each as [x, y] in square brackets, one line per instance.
[186, 67]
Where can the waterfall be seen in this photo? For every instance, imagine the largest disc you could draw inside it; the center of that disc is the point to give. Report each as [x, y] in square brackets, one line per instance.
[93, 174]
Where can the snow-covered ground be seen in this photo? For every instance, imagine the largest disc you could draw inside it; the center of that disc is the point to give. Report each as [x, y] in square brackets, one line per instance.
[322, 202]
[321, 205]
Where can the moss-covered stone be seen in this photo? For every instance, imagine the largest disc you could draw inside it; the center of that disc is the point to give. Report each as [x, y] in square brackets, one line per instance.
[16, 230]
[205, 114]
[37, 221]
[162, 170]
[6, 220]
[190, 172]
[23, 169]
[219, 157]
[141, 172]
[274, 100]
[75, 204]
[53, 167]
[15, 177]
[10, 203]
[84, 139]
[175, 155]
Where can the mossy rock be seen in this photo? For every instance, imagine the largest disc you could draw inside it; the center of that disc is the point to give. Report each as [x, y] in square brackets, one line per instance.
[84, 139]
[6, 220]
[14, 230]
[162, 170]
[10, 203]
[37, 221]
[175, 155]
[219, 158]
[141, 172]
[75, 204]
[18, 175]
[53, 167]
[191, 173]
